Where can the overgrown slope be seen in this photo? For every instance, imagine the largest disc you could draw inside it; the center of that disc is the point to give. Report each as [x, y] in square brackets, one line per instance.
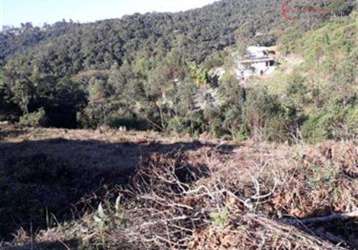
[323, 86]
[117, 72]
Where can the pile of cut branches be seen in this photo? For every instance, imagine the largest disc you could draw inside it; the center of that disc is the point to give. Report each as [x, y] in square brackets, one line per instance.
[258, 197]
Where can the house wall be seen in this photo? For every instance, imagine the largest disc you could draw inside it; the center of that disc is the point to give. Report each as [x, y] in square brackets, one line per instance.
[259, 67]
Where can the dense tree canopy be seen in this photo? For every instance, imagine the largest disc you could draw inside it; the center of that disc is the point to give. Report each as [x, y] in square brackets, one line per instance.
[147, 71]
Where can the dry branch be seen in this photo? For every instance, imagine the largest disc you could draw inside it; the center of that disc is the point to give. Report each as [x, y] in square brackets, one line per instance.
[332, 217]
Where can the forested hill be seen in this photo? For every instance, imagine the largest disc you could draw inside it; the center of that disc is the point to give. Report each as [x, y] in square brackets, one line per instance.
[18, 40]
[197, 32]
[121, 71]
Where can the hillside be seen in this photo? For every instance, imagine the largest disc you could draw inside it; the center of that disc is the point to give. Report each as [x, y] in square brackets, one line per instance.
[212, 27]
[318, 79]
[87, 75]
[119, 134]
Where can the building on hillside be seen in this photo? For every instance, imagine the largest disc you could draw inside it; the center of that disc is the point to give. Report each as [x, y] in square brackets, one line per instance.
[258, 61]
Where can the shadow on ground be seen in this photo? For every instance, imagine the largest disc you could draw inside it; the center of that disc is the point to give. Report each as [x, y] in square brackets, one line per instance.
[11, 132]
[43, 180]
[56, 245]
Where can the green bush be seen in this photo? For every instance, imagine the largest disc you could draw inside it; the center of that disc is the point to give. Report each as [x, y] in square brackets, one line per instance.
[178, 124]
[34, 119]
[216, 127]
[192, 124]
[336, 121]
[319, 126]
[351, 121]
[267, 117]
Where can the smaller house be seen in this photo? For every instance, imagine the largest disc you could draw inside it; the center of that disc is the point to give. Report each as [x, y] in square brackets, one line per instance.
[258, 61]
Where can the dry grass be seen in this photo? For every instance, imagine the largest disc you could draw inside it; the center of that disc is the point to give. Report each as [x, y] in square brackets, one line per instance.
[251, 196]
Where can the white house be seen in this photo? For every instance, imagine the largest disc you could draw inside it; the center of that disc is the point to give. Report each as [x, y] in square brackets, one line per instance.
[258, 61]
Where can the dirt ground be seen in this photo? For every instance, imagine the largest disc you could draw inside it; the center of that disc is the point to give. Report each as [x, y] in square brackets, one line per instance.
[49, 171]
[52, 180]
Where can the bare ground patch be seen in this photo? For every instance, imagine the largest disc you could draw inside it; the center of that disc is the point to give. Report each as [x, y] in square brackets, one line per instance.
[191, 195]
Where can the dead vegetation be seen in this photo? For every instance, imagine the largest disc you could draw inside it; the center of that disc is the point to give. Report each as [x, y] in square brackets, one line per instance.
[248, 196]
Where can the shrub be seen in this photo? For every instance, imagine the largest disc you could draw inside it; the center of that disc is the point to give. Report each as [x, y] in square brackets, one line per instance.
[34, 119]
[265, 116]
[220, 218]
[336, 121]
[351, 121]
[191, 124]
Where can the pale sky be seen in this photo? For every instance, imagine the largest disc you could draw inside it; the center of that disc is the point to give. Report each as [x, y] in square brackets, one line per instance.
[15, 12]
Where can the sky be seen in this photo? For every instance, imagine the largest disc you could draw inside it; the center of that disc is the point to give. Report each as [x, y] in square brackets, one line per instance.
[15, 12]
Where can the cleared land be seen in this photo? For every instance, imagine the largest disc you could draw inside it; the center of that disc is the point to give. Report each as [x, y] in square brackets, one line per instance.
[173, 192]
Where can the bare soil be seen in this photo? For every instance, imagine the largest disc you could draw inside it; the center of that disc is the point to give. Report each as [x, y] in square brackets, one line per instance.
[177, 193]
